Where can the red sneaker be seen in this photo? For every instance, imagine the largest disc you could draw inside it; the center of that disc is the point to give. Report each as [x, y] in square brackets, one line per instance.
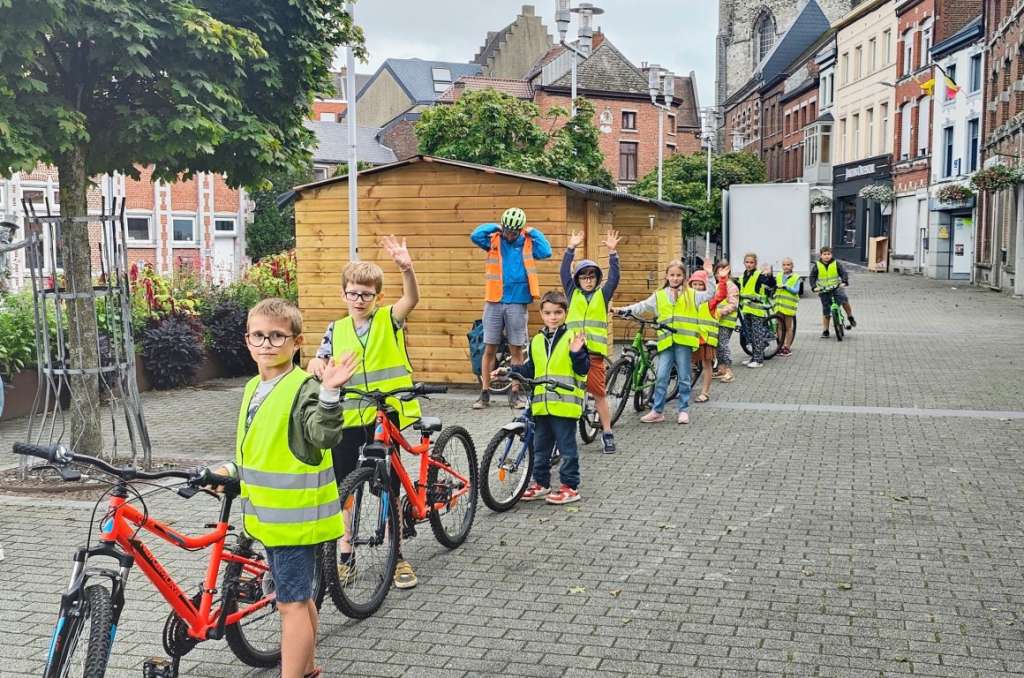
[535, 491]
[564, 495]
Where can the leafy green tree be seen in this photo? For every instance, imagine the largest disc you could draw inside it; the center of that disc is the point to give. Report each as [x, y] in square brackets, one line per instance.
[183, 86]
[273, 228]
[684, 181]
[493, 128]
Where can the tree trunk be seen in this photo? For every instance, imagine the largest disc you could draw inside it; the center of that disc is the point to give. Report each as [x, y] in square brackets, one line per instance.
[86, 434]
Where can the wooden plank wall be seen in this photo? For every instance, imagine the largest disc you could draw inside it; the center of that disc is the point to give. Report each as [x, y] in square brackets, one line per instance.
[436, 207]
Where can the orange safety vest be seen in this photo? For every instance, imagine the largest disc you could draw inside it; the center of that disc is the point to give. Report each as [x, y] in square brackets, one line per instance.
[493, 288]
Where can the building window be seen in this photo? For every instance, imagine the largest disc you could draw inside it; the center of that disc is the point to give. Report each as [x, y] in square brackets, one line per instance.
[825, 156]
[320, 173]
[908, 52]
[975, 80]
[973, 127]
[764, 36]
[627, 160]
[923, 126]
[442, 79]
[629, 120]
[844, 73]
[671, 126]
[221, 225]
[906, 114]
[328, 117]
[883, 134]
[870, 135]
[138, 229]
[951, 71]
[810, 145]
[855, 132]
[858, 62]
[842, 140]
[786, 125]
[36, 198]
[872, 55]
[926, 45]
[887, 48]
[947, 152]
[184, 230]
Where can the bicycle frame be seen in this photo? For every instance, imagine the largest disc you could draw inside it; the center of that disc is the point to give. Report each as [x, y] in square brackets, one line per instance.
[118, 540]
[524, 423]
[391, 436]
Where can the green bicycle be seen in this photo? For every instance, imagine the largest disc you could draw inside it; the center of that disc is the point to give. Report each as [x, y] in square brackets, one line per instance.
[634, 373]
[836, 311]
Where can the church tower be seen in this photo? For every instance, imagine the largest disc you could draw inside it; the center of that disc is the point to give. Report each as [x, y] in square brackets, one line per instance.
[748, 29]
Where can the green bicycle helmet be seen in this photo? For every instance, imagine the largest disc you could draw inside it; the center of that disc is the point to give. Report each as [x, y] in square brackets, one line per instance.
[514, 219]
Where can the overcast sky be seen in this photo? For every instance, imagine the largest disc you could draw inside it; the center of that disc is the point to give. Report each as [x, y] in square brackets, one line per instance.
[678, 34]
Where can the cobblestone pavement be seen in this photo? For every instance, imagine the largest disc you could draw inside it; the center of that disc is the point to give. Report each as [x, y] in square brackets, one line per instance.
[853, 510]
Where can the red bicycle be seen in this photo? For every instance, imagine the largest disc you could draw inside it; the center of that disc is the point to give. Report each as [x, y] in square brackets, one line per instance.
[241, 609]
[444, 493]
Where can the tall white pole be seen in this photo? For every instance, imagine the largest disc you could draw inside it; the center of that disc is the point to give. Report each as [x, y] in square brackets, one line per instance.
[350, 113]
[661, 147]
[707, 235]
[573, 88]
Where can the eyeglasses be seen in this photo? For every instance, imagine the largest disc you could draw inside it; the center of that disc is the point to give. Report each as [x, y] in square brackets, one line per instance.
[588, 276]
[276, 339]
[360, 296]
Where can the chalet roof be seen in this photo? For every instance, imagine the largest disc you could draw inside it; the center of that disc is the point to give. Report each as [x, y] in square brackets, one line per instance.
[520, 89]
[416, 79]
[805, 30]
[332, 143]
[595, 192]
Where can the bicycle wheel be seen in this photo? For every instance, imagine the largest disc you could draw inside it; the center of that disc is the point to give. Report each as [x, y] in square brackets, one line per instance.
[644, 395]
[452, 502]
[256, 638]
[838, 324]
[89, 614]
[505, 470]
[620, 381]
[590, 422]
[358, 588]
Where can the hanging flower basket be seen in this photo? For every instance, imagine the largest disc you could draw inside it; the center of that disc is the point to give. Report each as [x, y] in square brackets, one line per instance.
[995, 178]
[821, 201]
[954, 193]
[878, 192]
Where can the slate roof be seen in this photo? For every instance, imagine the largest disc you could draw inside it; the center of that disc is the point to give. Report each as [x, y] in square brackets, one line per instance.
[584, 189]
[520, 89]
[805, 30]
[338, 80]
[332, 143]
[966, 35]
[415, 78]
[606, 70]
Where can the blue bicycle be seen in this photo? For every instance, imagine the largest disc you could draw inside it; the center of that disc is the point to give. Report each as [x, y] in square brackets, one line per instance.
[507, 464]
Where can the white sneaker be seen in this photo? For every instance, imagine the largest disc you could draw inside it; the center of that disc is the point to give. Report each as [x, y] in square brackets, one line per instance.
[747, 361]
[753, 364]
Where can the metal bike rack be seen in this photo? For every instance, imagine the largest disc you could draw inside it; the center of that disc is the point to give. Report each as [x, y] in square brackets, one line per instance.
[109, 298]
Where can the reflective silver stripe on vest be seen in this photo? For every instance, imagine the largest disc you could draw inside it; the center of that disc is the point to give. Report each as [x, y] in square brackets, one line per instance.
[561, 397]
[709, 323]
[753, 301]
[287, 481]
[286, 516]
[678, 331]
[384, 374]
[350, 404]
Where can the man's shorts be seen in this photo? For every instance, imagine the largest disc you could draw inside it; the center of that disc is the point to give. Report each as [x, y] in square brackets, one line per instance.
[826, 303]
[508, 317]
[292, 568]
[596, 376]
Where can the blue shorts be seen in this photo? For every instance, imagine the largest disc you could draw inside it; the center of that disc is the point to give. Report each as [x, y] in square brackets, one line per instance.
[293, 568]
[511, 318]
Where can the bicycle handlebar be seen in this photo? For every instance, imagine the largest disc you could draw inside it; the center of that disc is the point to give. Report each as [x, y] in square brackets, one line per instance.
[380, 396]
[526, 381]
[641, 321]
[59, 455]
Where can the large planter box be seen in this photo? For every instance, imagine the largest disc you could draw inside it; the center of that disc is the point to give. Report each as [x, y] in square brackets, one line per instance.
[20, 393]
[209, 369]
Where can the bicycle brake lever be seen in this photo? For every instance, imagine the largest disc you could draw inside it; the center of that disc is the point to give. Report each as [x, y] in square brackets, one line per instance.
[68, 475]
[187, 491]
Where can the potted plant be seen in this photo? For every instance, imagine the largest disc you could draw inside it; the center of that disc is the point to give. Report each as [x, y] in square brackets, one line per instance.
[954, 193]
[821, 202]
[995, 178]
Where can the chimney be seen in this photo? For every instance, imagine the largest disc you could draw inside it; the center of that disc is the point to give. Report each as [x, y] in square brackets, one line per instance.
[598, 39]
[528, 10]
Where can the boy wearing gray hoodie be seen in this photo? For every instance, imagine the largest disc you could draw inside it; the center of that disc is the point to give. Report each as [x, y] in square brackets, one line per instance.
[588, 313]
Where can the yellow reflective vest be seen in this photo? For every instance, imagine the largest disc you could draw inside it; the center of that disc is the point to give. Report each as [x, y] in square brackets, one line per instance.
[752, 302]
[828, 276]
[284, 501]
[591, 318]
[384, 365]
[708, 325]
[681, 316]
[554, 362]
[785, 302]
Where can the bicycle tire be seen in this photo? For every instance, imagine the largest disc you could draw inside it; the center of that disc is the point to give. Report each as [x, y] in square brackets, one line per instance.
[490, 456]
[344, 595]
[239, 637]
[94, 610]
[619, 384]
[838, 324]
[453, 538]
[643, 396]
[590, 422]
[771, 347]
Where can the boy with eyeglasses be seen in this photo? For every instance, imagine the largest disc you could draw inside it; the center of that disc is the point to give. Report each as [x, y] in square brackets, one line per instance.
[376, 335]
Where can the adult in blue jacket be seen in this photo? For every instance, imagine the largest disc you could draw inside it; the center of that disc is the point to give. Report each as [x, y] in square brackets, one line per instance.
[510, 284]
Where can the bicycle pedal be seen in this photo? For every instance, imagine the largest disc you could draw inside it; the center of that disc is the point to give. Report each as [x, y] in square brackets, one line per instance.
[159, 667]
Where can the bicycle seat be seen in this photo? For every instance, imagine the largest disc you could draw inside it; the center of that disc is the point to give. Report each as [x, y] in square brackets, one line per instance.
[428, 424]
[651, 344]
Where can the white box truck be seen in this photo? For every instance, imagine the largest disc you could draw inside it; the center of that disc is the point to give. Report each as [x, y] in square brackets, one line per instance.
[773, 220]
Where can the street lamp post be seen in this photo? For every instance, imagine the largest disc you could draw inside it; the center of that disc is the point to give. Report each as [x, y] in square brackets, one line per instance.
[585, 33]
[353, 164]
[662, 82]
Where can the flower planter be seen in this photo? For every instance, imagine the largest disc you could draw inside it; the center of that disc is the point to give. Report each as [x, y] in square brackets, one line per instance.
[20, 393]
[209, 369]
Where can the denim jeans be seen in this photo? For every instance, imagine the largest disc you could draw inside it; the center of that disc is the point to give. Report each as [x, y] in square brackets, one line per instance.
[680, 355]
[550, 431]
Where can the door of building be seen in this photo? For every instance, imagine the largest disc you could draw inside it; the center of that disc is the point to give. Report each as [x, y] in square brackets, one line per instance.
[963, 245]
[223, 258]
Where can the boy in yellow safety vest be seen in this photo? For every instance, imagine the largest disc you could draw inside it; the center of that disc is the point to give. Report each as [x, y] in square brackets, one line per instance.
[588, 313]
[286, 425]
[559, 354]
[829, 273]
[376, 334]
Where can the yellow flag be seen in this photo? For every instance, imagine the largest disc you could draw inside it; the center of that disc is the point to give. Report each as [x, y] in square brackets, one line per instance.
[928, 86]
